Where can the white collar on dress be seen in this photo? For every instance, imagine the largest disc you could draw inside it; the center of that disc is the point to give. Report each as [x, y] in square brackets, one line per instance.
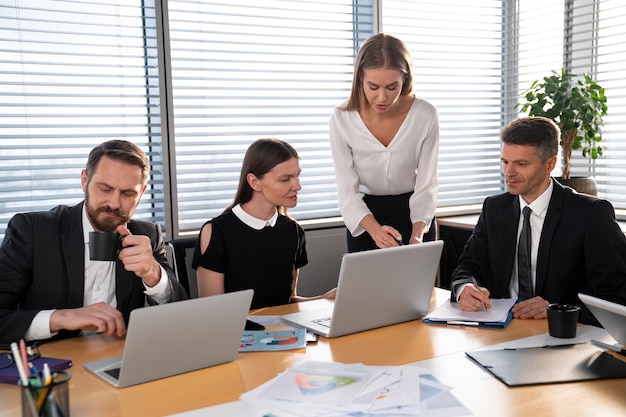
[252, 221]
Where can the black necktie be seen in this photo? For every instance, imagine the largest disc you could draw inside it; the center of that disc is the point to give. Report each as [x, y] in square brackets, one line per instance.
[523, 258]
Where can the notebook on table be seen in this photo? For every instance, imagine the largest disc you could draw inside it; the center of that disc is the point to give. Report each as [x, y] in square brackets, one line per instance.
[377, 288]
[174, 338]
[10, 375]
[549, 364]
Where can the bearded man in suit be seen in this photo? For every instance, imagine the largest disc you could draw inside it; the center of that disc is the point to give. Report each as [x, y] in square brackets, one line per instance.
[49, 286]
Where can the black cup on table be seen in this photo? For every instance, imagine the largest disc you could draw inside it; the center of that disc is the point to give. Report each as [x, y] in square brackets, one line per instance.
[104, 246]
[562, 320]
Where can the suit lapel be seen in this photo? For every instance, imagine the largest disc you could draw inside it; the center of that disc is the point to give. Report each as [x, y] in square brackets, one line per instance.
[509, 241]
[73, 249]
[553, 214]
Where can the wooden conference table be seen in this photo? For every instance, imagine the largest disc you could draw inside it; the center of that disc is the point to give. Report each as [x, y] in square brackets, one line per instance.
[393, 345]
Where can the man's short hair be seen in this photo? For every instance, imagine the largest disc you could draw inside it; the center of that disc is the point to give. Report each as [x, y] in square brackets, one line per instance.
[537, 131]
[119, 150]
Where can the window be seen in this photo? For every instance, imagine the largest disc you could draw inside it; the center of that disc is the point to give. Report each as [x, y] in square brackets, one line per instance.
[244, 70]
[583, 36]
[457, 60]
[609, 57]
[73, 74]
[196, 88]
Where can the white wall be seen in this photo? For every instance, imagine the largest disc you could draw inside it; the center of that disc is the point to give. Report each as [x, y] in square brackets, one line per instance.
[325, 247]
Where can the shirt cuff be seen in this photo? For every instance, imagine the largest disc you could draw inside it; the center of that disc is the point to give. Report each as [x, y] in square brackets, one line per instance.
[161, 293]
[459, 290]
[40, 326]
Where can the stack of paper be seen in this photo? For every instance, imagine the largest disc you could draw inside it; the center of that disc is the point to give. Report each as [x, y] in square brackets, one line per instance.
[334, 389]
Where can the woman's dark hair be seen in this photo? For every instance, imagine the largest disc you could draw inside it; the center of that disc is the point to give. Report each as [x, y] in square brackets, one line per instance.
[261, 157]
[379, 51]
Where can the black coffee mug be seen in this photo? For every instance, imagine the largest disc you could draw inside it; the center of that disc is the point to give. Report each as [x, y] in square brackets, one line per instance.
[104, 246]
[562, 320]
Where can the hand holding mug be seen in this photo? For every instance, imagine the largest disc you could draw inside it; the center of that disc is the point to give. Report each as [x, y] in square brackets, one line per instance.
[137, 257]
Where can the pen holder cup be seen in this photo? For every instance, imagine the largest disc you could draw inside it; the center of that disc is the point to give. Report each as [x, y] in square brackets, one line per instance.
[562, 320]
[52, 400]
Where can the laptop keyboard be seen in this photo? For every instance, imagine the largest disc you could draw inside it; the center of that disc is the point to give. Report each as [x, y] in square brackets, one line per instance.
[326, 321]
[114, 372]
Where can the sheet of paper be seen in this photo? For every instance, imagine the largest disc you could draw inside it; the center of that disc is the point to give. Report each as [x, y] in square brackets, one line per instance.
[319, 383]
[276, 336]
[584, 333]
[236, 409]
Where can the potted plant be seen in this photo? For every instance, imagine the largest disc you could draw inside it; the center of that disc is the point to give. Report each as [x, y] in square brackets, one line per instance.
[577, 106]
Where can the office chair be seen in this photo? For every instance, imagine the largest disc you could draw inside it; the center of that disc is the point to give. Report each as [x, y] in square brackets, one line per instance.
[182, 254]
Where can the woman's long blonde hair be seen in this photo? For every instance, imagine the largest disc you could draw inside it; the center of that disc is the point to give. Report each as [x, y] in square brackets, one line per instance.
[379, 51]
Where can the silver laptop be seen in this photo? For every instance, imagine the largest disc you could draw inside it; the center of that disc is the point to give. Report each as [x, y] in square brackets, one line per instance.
[377, 288]
[612, 316]
[178, 337]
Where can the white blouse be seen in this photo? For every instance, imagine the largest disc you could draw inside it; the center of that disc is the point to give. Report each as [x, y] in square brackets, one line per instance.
[365, 166]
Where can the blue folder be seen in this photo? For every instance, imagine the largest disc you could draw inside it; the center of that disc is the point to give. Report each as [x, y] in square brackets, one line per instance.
[492, 324]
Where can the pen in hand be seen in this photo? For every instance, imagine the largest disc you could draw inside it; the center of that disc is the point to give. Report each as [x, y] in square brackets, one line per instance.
[478, 288]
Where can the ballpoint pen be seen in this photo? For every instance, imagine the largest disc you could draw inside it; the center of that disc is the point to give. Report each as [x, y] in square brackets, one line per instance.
[22, 347]
[17, 358]
[477, 287]
[610, 347]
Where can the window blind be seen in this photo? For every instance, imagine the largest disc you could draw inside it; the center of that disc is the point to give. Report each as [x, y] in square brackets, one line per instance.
[583, 36]
[73, 74]
[76, 73]
[539, 39]
[456, 49]
[244, 70]
[609, 57]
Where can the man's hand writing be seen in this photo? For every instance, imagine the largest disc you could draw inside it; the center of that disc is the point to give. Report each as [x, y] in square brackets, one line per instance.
[473, 298]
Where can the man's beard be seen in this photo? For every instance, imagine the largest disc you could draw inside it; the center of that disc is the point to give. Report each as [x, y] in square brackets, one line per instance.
[105, 224]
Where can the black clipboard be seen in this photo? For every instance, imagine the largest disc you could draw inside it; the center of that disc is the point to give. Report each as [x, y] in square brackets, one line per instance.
[549, 364]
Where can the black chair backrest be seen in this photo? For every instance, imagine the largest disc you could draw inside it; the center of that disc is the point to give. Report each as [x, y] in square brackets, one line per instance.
[182, 253]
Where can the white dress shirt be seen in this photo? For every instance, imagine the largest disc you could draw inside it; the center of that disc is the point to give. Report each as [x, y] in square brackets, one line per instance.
[539, 209]
[363, 165]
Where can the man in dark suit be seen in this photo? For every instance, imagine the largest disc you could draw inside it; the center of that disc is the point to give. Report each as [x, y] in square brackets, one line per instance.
[49, 287]
[576, 244]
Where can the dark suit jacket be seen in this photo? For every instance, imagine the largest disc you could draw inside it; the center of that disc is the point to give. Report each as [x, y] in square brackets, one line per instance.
[582, 249]
[42, 267]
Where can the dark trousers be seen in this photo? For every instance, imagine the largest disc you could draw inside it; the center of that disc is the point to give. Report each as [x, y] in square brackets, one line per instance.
[390, 210]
